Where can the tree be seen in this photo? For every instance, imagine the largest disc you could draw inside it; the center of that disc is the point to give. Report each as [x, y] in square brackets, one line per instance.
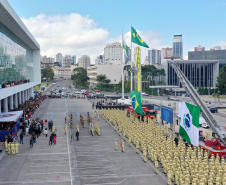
[57, 64]
[221, 79]
[47, 72]
[80, 76]
[101, 78]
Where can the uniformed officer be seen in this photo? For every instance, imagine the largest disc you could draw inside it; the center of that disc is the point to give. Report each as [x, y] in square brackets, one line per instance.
[122, 145]
[156, 167]
[145, 155]
[116, 144]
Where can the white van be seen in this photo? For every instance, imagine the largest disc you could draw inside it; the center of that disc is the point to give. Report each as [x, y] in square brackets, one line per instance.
[202, 123]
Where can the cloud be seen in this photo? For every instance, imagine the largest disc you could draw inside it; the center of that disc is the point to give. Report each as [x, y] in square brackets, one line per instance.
[224, 4]
[74, 34]
[71, 34]
[222, 44]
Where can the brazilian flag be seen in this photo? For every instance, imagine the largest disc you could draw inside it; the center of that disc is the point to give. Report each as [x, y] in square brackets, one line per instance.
[137, 39]
[136, 102]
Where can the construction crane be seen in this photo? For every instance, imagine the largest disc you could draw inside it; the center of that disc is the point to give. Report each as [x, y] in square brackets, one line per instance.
[205, 112]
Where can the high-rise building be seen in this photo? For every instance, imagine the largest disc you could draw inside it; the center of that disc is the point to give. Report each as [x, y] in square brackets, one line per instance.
[84, 61]
[178, 47]
[166, 54]
[199, 48]
[209, 55]
[113, 53]
[67, 61]
[19, 62]
[154, 56]
[73, 60]
[99, 60]
[59, 58]
[47, 61]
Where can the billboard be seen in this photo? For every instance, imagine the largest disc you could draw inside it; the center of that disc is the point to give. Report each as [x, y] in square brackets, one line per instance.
[167, 114]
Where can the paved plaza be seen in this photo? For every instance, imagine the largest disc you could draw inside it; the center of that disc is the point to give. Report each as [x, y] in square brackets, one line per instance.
[91, 160]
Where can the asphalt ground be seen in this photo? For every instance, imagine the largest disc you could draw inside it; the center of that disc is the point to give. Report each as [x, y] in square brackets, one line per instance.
[91, 160]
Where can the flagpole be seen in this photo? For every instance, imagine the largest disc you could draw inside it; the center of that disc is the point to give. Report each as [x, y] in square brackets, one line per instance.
[131, 73]
[123, 58]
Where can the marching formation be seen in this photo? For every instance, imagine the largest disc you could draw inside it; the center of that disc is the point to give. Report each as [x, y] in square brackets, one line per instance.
[181, 164]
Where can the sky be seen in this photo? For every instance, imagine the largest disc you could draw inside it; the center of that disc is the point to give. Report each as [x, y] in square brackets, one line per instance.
[74, 27]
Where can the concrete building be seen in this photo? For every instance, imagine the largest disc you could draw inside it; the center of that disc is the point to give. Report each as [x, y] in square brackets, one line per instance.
[59, 58]
[166, 54]
[199, 48]
[67, 61]
[99, 60]
[201, 73]
[19, 59]
[73, 60]
[178, 47]
[112, 72]
[113, 53]
[154, 56]
[209, 55]
[47, 61]
[60, 72]
[84, 61]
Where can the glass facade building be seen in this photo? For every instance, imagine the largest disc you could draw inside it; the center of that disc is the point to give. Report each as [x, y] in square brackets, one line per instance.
[178, 47]
[16, 60]
[201, 73]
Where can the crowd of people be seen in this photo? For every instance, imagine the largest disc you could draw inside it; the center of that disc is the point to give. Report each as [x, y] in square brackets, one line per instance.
[13, 83]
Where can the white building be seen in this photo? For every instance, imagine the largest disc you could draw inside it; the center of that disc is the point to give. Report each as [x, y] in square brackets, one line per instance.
[19, 59]
[67, 61]
[59, 58]
[47, 61]
[112, 72]
[166, 54]
[154, 56]
[60, 72]
[99, 60]
[84, 61]
[113, 53]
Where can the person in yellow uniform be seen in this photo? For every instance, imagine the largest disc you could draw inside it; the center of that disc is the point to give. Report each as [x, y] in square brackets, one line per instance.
[145, 155]
[77, 127]
[16, 148]
[116, 144]
[13, 148]
[65, 128]
[123, 146]
[156, 167]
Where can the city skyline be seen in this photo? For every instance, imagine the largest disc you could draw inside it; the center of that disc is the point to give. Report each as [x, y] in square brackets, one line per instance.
[91, 26]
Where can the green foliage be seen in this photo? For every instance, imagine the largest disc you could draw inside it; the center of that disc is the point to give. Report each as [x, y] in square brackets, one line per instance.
[101, 78]
[80, 77]
[57, 64]
[221, 79]
[47, 73]
[127, 68]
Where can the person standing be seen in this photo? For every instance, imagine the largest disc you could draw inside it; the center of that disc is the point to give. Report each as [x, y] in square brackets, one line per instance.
[21, 138]
[51, 139]
[54, 138]
[31, 142]
[46, 131]
[65, 128]
[77, 135]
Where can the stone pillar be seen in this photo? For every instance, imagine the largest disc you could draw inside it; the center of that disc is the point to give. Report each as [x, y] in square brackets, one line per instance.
[11, 102]
[19, 98]
[22, 96]
[28, 93]
[15, 100]
[5, 102]
[25, 96]
[32, 92]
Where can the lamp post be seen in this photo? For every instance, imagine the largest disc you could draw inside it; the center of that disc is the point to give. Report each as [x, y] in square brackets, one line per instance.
[218, 95]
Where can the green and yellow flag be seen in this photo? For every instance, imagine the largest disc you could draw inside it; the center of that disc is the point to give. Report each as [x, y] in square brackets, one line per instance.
[137, 39]
[136, 102]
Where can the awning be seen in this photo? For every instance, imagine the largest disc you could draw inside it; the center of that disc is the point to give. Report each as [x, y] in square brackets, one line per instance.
[10, 116]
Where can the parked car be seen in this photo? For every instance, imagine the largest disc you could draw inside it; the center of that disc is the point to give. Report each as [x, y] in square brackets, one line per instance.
[144, 94]
[77, 92]
[213, 109]
[97, 90]
[175, 99]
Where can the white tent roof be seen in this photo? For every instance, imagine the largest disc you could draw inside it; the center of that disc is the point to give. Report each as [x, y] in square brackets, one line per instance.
[10, 116]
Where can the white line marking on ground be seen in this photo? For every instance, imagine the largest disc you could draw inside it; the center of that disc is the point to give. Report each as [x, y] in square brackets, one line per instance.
[51, 105]
[68, 146]
[45, 173]
[45, 154]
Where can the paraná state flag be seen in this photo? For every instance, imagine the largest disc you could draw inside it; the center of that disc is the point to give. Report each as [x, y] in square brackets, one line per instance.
[136, 102]
[124, 46]
[135, 37]
[189, 123]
